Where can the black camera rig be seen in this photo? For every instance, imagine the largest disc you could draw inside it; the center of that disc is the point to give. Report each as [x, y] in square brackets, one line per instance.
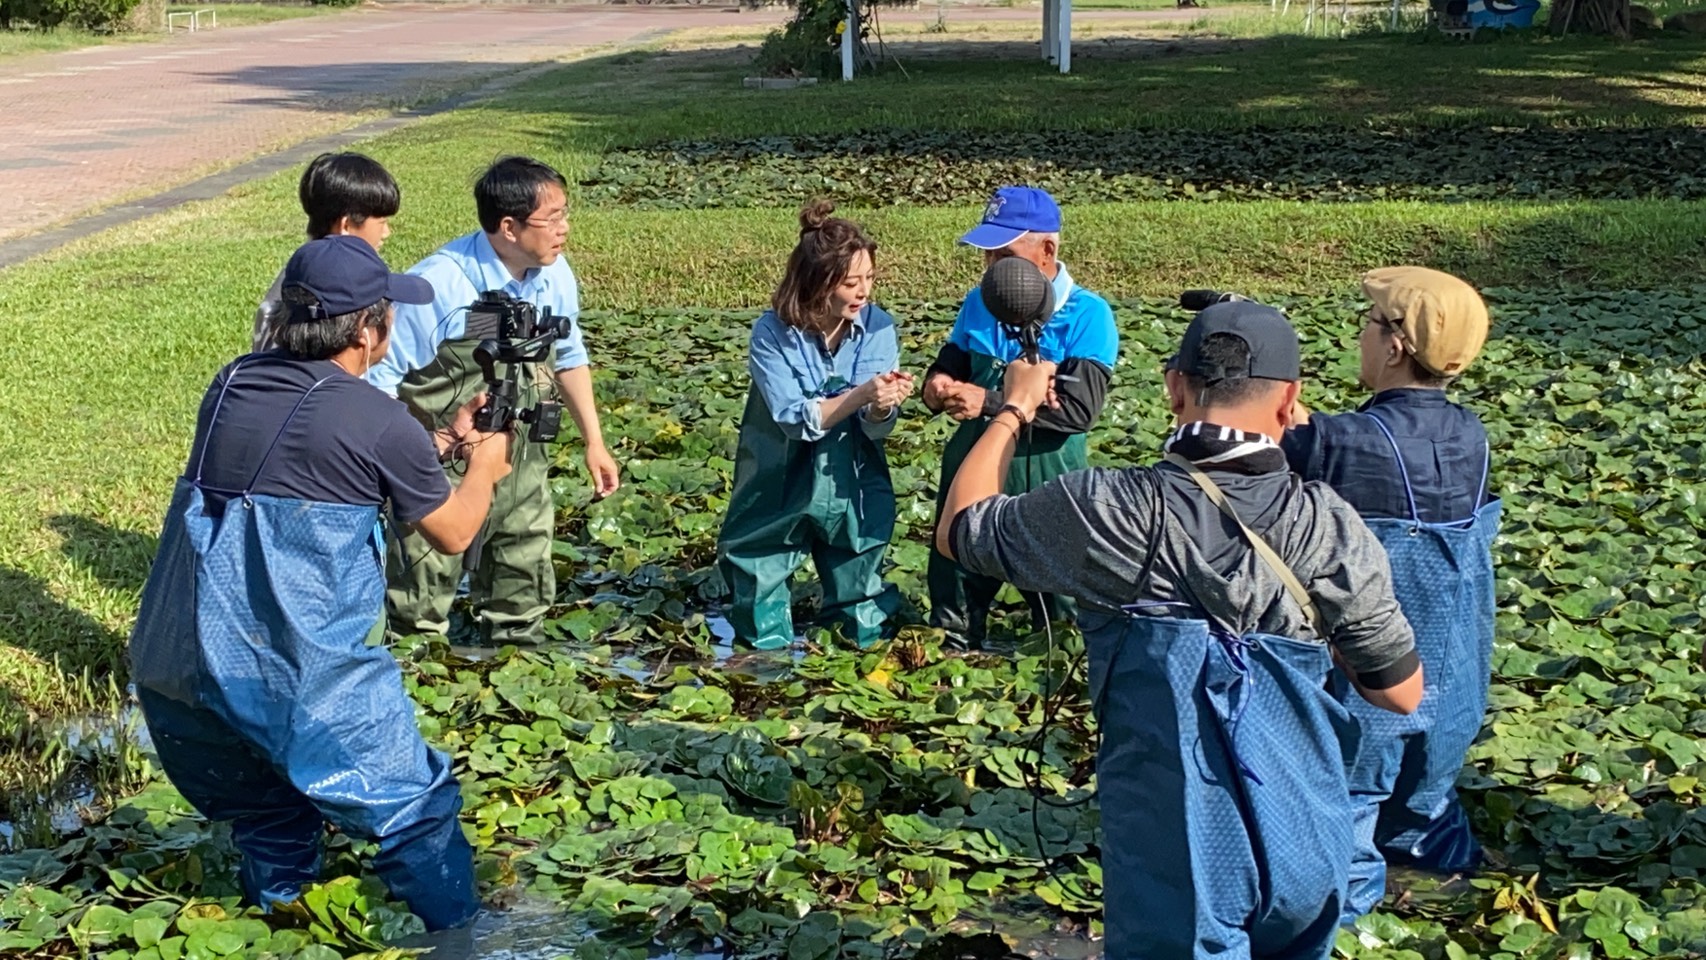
[514, 332]
[1197, 301]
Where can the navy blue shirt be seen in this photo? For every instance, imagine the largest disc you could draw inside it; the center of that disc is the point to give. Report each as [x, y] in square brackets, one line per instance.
[349, 443]
[1444, 448]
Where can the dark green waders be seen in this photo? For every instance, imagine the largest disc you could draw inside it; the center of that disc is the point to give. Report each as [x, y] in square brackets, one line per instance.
[830, 499]
[959, 599]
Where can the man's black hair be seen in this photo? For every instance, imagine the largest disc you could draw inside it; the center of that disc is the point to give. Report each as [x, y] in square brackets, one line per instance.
[324, 339]
[1226, 352]
[510, 188]
[1427, 378]
[338, 185]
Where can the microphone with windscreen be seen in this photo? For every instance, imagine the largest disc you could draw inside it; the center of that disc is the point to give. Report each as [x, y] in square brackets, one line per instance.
[1021, 299]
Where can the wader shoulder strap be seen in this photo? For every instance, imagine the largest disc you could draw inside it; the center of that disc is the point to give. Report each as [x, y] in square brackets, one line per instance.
[1269, 556]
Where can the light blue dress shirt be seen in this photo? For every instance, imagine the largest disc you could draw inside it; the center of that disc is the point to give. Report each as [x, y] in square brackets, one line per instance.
[459, 272]
[793, 372]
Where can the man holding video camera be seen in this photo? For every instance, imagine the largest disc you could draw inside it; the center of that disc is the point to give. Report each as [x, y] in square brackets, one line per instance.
[432, 367]
[267, 706]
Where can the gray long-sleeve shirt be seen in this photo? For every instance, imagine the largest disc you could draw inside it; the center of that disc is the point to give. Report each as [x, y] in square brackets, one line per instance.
[1086, 534]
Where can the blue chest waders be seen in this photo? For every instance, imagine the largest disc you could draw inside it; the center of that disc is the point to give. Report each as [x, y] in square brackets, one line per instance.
[1225, 817]
[270, 709]
[1403, 770]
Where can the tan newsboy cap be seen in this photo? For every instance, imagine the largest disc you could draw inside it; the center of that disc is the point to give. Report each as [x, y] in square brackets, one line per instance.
[1441, 319]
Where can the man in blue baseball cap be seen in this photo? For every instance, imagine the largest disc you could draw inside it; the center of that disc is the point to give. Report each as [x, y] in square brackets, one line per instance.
[965, 383]
[251, 652]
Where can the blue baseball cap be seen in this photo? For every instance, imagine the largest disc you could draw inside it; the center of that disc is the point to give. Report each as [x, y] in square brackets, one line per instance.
[344, 274]
[1012, 213]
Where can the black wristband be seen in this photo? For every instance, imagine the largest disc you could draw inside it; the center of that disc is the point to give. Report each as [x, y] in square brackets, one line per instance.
[1016, 412]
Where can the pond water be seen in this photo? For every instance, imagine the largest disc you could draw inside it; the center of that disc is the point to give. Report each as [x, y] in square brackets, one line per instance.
[534, 929]
[75, 799]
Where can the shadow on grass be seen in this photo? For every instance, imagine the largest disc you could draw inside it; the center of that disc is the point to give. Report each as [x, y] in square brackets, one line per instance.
[119, 559]
[32, 619]
[34, 702]
[81, 661]
[84, 651]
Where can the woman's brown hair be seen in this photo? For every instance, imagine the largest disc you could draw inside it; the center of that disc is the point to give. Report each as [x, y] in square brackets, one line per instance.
[817, 266]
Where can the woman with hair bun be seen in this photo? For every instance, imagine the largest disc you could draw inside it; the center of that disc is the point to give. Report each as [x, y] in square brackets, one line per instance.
[811, 477]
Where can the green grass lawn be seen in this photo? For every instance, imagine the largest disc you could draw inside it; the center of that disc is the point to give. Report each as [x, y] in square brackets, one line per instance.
[88, 465]
[95, 436]
[25, 40]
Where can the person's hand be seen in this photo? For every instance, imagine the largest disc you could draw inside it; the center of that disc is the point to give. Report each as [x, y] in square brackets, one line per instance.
[461, 425]
[606, 477]
[964, 401]
[1028, 385]
[489, 452]
[891, 390]
[936, 389]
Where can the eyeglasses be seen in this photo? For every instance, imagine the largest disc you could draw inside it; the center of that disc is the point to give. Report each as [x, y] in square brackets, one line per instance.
[1386, 322]
[560, 218]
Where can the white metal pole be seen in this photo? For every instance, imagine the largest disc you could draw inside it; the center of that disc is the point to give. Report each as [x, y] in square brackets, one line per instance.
[1048, 31]
[1063, 34]
[849, 37]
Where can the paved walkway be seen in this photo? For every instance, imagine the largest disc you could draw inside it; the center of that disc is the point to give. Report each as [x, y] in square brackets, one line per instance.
[82, 129]
[109, 128]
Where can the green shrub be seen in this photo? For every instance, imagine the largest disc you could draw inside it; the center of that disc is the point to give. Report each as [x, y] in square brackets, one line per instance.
[99, 15]
[146, 15]
[808, 45]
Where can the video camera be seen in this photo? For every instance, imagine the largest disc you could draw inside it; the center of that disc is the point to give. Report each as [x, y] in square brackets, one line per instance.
[502, 317]
[1196, 301]
[514, 332]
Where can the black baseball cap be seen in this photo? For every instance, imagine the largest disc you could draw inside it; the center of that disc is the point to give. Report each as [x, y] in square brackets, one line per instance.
[344, 274]
[1274, 350]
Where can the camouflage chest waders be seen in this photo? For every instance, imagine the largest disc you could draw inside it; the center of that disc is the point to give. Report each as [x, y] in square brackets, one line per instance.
[515, 583]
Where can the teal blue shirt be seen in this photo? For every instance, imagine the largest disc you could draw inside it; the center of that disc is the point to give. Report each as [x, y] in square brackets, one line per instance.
[1082, 327]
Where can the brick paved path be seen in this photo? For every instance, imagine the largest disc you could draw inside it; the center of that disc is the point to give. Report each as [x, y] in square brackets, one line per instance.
[87, 128]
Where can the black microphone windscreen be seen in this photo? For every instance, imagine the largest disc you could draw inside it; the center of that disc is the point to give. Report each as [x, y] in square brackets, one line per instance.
[1015, 291]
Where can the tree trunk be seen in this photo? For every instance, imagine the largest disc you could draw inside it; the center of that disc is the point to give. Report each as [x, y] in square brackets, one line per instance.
[1609, 17]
